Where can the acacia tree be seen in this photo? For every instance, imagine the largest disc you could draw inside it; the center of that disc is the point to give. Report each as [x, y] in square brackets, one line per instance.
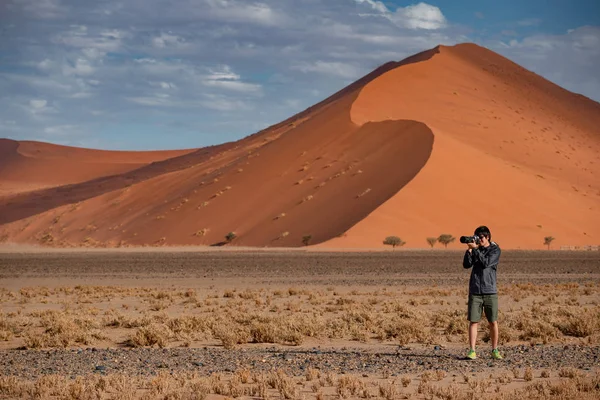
[230, 236]
[548, 240]
[393, 241]
[431, 241]
[446, 239]
[306, 239]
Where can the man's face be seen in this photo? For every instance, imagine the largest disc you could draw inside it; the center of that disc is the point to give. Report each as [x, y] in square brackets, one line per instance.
[483, 240]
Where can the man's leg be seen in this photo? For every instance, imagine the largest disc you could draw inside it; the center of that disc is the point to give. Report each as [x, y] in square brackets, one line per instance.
[473, 326]
[494, 334]
[474, 316]
[490, 306]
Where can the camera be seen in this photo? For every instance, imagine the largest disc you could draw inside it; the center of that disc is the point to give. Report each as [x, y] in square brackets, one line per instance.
[470, 239]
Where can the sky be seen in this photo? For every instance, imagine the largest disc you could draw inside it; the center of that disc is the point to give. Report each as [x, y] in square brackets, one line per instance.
[157, 74]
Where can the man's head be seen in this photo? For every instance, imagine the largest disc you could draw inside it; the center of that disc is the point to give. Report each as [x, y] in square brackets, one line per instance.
[484, 234]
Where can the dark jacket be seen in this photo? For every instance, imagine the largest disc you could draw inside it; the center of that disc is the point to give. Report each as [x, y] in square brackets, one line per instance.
[484, 261]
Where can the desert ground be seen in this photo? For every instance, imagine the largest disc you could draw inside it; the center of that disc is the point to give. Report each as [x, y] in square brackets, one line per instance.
[292, 324]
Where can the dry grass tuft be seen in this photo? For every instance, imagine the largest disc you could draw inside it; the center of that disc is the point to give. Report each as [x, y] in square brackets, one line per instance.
[389, 390]
[528, 374]
[153, 334]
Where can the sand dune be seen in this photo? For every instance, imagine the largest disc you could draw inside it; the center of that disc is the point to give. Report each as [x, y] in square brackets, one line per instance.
[439, 143]
[27, 165]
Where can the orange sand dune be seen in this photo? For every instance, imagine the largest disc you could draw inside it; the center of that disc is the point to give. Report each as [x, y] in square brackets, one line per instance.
[439, 143]
[512, 151]
[28, 165]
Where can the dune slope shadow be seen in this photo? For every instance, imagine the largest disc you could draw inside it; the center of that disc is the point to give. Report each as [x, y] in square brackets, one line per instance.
[392, 153]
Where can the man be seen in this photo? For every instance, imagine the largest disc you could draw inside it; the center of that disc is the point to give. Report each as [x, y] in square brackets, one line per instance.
[483, 257]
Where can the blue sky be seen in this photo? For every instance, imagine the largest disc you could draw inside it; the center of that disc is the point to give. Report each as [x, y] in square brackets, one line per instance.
[156, 74]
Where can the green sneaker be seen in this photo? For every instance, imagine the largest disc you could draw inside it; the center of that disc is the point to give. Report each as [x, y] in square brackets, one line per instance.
[471, 355]
[496, 355]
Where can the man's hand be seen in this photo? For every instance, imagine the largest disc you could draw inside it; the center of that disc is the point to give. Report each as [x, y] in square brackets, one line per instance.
[472, 246]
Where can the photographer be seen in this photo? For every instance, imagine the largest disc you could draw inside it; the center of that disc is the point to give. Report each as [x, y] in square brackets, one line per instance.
[482, 255]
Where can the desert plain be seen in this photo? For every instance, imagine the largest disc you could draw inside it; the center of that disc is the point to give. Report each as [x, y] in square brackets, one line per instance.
[195, 323]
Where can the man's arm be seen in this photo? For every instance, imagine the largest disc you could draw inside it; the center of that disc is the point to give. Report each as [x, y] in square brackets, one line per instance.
[490, 260]
[467, 260]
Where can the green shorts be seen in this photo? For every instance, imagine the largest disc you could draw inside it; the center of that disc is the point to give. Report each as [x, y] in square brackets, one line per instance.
[485, 302]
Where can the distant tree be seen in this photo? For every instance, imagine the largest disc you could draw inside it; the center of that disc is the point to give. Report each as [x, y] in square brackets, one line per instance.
[446, 239]
[306, 239]
[393, 241]
[431, 241]
[230, 236]
[548, 240]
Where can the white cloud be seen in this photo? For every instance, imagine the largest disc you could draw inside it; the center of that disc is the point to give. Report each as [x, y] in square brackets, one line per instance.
[92, 53]
[529, 22]
[341, 70]
[38, 82]
[38, 104]
[164, 85]
[209, 101]
[81, 95]
[167, 40]
[348, 32]
[153, 101]
[44, 9]
[416, 16]
[45, 65]
[224, 73]
[61, 130]
[234, 85]
[243, 11]
[39, 107]
[293, 103]
[164, 68]
[220, 103]
[375, 5]
[420, 16]
[81, 67]
[224, 77]
[95, 44]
